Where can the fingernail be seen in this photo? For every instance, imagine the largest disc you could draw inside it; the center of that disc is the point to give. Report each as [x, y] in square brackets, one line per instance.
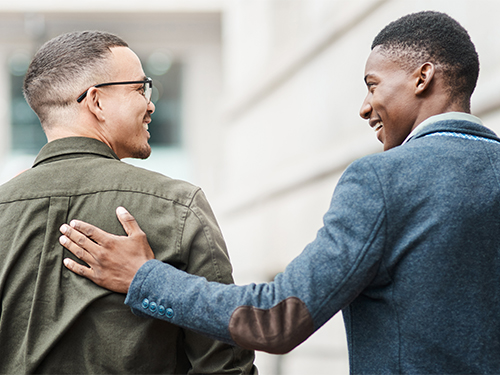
[121, 211]
[72, 223]
[66, 262]
[62, 240]
[63, 229]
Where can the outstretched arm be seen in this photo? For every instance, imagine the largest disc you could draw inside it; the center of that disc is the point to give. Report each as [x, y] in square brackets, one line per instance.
[274, 317]
[113, 260]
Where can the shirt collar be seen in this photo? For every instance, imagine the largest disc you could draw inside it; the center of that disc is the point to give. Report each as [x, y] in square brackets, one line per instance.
[442, 117]
[71, 147]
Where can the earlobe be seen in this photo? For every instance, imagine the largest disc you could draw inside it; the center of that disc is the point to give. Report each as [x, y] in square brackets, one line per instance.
[425, 76]
[94, 104]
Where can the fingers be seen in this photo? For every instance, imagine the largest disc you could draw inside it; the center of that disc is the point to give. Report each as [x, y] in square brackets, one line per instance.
[78, 244]
[78, 268]
[113, 260]
[128, 222]
[88, 230]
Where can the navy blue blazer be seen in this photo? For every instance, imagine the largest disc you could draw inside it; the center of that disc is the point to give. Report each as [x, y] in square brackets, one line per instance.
[409, 251]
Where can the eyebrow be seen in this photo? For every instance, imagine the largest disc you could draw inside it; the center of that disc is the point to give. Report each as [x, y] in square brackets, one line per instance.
[142, 78]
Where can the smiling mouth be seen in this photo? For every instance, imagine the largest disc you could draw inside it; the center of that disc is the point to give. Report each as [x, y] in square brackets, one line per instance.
[145, 122]
[379, 125]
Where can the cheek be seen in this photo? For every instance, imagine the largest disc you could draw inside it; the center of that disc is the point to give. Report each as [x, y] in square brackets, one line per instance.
[392, 106]
[141, 109]
[134, 105]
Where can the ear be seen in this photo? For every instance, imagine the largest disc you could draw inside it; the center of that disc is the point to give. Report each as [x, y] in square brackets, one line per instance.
[425, 74]
[94, 103]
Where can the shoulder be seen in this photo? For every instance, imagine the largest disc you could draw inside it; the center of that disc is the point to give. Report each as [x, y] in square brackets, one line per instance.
[378, 163]
[138, 179]
[406, 155]
[76, 177]
[388, 169]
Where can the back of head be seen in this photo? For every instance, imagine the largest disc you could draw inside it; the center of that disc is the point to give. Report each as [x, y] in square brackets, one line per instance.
[63, 68]
[437, 38]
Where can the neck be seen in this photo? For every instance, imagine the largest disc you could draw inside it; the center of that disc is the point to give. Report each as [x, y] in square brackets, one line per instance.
[58, 132]
[83, 127]
[436, 107]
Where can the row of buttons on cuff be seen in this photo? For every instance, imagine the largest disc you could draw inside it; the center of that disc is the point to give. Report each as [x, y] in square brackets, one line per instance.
[160, 309]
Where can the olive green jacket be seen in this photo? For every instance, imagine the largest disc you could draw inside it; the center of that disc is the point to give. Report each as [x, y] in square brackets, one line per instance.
[53, 321]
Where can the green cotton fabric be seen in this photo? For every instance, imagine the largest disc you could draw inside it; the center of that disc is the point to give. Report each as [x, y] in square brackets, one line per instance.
[54, 321]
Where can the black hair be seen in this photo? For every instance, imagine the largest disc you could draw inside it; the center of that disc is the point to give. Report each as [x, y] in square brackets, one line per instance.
[63, 66]
[435, 37]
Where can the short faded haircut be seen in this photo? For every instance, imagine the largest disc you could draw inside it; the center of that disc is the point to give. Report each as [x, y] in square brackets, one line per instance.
[437, 38]
[64, 67]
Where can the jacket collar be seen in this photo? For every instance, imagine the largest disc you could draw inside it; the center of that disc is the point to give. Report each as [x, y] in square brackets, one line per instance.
[73, 147]
[464, 123]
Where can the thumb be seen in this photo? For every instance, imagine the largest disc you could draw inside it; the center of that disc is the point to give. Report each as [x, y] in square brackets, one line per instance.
[128, 221]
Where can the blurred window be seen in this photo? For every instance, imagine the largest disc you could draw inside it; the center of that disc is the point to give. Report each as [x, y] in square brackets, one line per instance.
[27, 134]
[166, 125]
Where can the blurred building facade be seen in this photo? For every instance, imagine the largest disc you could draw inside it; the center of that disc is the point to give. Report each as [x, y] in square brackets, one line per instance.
[257, 102]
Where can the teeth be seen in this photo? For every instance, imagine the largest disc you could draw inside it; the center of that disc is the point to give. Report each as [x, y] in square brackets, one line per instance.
[378, 126]
[146, 126]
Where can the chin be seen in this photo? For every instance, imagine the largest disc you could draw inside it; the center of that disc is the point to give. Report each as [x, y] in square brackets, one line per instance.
[142, 153]
[145, 154]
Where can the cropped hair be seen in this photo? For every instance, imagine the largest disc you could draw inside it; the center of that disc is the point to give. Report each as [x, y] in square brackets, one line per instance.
[437, 38]
[64, 67]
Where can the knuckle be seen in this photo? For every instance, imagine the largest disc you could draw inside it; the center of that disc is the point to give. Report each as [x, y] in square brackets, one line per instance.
[103, 257]
[79, 253]
[80, 241]
[97, 278]
[128, 217]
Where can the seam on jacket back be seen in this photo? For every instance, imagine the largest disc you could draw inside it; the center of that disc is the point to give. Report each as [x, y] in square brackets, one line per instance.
[97, 192]
[209, 239]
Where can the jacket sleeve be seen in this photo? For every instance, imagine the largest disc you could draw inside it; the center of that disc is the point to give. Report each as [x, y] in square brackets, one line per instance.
[277, 316]
[204, 253]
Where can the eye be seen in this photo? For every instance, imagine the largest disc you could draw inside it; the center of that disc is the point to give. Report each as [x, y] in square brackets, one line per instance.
[371, 86]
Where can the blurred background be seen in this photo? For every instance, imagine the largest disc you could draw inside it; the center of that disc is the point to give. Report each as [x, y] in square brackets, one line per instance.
[257, 102]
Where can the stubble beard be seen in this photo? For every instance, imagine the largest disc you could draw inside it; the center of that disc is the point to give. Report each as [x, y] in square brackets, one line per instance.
[142, 153]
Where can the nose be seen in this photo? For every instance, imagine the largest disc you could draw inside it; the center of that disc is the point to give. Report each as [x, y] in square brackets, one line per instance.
[366, 109]
[151, 107]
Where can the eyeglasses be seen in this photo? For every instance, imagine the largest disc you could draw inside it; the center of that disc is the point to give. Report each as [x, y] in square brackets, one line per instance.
[147, 88]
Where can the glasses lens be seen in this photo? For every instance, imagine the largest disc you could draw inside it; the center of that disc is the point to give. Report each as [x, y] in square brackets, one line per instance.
[148, 90]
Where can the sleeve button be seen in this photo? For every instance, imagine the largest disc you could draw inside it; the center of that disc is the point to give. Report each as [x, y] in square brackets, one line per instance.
[152, 307]
[161, 310]
[145, 303]
[169, 313]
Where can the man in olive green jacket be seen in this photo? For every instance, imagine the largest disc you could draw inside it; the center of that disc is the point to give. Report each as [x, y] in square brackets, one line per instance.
[94, 103]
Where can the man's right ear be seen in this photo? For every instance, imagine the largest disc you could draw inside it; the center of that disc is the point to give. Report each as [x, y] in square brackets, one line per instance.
[93, 102]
